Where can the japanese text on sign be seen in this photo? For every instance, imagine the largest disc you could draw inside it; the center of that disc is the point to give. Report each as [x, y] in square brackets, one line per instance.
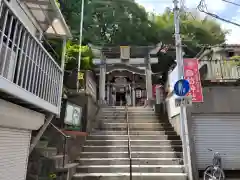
[184, 101]
[191, 73]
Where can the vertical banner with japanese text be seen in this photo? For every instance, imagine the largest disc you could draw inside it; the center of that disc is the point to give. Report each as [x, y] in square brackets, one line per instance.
[191, 73]
[154, 90]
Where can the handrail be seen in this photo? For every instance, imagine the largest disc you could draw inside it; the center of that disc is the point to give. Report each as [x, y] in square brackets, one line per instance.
[55, 127]
[129, 143]
[64, 144]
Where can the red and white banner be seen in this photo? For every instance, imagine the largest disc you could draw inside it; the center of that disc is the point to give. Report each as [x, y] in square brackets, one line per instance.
[191, 73]
[154, 88]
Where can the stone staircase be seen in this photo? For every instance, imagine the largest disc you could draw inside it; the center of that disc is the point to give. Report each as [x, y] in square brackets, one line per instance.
[47, 162]
[155, 148]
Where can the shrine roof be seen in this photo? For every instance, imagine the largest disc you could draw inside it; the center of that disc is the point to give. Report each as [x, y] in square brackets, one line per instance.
[135, 51]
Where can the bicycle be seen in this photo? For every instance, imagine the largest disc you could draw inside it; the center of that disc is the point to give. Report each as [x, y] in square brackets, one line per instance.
[214, 171]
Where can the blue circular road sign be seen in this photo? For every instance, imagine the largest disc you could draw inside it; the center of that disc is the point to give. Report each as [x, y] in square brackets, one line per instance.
[182, 87]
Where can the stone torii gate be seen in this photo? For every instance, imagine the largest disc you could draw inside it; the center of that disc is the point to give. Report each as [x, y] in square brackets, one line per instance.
[136, 60]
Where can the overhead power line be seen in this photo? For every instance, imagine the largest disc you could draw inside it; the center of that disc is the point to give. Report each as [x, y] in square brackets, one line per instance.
[236, 4]
[202, 7]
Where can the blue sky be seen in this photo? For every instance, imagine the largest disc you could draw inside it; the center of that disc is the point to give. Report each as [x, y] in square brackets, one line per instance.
[219, 7]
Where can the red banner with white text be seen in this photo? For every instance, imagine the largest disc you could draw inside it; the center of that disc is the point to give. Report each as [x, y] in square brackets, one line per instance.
[191, 73]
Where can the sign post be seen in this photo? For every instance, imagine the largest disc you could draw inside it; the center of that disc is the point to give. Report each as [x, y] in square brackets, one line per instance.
[181, 89]
[183, 114]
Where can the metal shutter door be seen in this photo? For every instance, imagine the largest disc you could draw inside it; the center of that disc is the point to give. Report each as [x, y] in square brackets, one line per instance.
[14, 149]
[220, 133]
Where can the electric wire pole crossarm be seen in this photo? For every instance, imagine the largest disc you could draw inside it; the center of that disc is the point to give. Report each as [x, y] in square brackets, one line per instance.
[183, 116]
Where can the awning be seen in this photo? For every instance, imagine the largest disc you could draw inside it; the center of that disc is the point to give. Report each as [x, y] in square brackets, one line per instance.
[49, 17]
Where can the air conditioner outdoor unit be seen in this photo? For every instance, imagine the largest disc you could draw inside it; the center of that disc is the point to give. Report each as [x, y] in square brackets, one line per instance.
[9, 66]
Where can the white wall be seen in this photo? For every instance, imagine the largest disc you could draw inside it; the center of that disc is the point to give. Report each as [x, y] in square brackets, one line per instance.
[170, 100]
[173, 114]
[14, 116]
[172, 110]
[172, 79]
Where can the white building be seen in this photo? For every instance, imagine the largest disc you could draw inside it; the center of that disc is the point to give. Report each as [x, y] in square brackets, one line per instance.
[215, 122]
[30, 79]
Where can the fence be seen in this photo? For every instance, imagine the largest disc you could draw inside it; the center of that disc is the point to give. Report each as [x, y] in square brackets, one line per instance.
[221, 69]
[24, 61]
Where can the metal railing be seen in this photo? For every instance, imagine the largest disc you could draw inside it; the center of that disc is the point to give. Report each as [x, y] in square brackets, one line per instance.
[129, 143]
[24, 61]
[64, 143]
[221, 69]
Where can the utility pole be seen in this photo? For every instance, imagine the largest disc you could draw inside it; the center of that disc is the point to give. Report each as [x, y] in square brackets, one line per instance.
[80, 44]
[183, 114]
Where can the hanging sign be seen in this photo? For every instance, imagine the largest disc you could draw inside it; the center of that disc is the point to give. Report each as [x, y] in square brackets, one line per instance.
[125, 52]
[80, 75]
[191, 73]
[183, 101]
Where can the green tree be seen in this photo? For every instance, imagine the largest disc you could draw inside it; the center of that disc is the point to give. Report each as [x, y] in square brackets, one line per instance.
[111, 22]
[120, 22]
[196, 32]
[72, 54]
[72, 47]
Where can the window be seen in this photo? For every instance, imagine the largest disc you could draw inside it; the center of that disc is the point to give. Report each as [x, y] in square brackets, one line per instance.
[230, 54]
[11, 25]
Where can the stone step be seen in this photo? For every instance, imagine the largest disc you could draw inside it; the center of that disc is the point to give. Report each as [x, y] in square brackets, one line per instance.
[135, 168]
[136, 126]
[133, 142]
[134, 154]
[133, 137]
[177, 148]
[121, 118]
[68, 166]
[113, 113]
[99, 132]
[155, 128]
[137, 113]
[125, 161]
[139, 109]
[69, 170]
[126, 176]
[132, 120]
[104, 110]
[58, 159]
[117, 115]
[140, 114]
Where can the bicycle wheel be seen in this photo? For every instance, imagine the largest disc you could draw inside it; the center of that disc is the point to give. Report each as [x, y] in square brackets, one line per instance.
[213, 173]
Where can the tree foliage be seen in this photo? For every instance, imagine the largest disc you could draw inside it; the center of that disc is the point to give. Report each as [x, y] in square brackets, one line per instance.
[72, 54]
[111, 22]
[196, 32]
[124, 22]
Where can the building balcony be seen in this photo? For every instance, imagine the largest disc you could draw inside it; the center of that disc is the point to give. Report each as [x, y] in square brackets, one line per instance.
[220, 70]
[29, 76]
